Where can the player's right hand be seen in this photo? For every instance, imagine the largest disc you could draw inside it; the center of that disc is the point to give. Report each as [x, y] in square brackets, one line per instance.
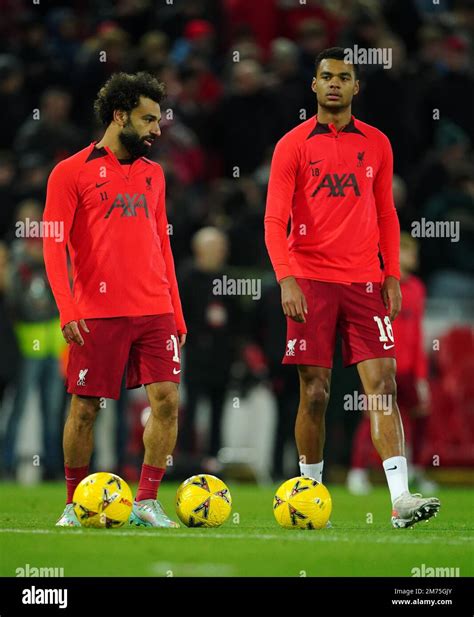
[293, 300]
[72, 334]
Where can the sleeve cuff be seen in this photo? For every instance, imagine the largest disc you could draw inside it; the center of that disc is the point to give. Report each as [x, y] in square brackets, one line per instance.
[282, 272]
[394, 273]
[67, 315]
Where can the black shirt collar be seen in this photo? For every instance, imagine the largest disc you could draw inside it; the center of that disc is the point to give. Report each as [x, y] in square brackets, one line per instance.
[321, 128]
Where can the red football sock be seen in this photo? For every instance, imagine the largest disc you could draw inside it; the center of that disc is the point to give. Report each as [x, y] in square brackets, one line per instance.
[73, 476]
[150, 479]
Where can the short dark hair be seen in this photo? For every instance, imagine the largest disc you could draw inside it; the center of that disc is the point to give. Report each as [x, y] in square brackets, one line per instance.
[334, 53]
[123, 91]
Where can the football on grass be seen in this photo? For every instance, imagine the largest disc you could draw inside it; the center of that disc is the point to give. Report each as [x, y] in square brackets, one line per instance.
[203, 501]
[103, 500]
[302, 503]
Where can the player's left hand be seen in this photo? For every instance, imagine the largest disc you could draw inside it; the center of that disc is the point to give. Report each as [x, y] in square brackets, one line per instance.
[182, 340]
[392, 296]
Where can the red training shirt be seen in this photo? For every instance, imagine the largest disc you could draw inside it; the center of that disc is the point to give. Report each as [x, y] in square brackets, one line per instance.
[336, 187]
[116, 232]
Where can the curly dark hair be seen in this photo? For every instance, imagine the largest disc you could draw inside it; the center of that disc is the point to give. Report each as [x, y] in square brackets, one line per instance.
[123, 91]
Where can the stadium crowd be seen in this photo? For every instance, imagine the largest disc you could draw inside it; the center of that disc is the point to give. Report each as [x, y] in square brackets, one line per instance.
[238, 76]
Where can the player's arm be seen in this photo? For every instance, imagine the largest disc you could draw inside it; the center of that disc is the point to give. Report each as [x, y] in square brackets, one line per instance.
[389, 230]
[281, 188]
[61, 204]
[162, 226]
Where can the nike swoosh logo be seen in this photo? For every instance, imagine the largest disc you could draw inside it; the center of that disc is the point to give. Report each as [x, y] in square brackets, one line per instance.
[314, 162]
[97, 186]
[176, 371]
[392, 468]
[389, 347]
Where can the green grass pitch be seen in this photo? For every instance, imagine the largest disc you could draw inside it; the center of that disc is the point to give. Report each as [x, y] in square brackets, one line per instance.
[249, 544]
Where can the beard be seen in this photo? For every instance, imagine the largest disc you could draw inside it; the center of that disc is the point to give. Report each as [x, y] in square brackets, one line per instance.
[132, 141]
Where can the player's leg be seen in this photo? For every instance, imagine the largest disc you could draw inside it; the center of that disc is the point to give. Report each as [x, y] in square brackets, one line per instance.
[155, 361]
[94, 371]
[368, 342]
[378, 379]
[78, 438]
[310, 345]
[78, 443]
[310, 427]
[159, 439]
[161, 430]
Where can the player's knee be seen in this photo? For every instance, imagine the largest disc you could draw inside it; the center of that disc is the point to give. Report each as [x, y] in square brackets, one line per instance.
[85, 410]
[386, 386]
[317, 395]
[165, 403]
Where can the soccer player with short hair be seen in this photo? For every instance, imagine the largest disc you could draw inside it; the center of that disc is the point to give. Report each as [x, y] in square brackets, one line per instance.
[332, 176]
[124, 310]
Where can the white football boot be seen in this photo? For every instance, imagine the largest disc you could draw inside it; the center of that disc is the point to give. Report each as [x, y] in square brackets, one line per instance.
[409, 509]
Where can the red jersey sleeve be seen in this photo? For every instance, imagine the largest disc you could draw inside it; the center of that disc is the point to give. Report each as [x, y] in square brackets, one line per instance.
[162, 226]
[389, 227]
[61, 204]
[281, 188]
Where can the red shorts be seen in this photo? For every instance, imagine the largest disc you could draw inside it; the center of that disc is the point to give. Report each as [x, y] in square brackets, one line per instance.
[356, 311]
[148, 347]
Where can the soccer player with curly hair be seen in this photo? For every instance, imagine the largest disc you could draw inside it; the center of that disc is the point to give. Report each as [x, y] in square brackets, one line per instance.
[123, 311]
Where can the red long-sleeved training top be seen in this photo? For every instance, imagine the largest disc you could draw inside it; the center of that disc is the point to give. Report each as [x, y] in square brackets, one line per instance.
[336, 187]
[116, 231]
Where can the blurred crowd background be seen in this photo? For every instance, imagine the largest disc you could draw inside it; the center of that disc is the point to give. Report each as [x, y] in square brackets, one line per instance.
[238, 76]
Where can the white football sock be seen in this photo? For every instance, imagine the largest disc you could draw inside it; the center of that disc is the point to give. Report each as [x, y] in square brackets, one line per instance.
[315, 470]
[397, 475]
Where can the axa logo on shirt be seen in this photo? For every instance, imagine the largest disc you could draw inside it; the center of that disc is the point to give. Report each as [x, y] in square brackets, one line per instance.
[337, 183]
[128, 204]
